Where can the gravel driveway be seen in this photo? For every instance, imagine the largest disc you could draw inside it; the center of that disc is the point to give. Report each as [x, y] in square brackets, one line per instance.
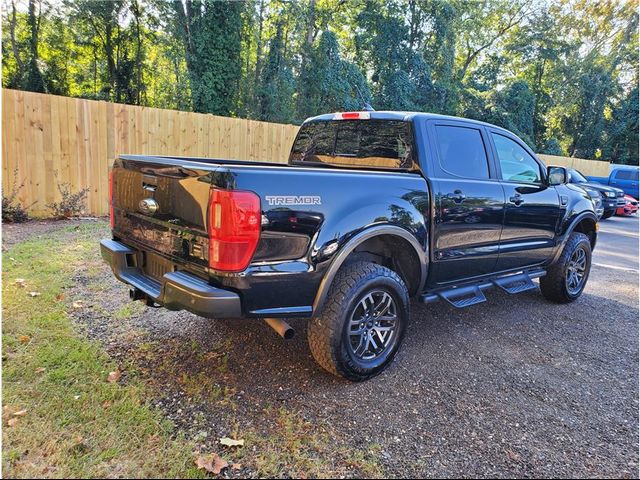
[512, 387]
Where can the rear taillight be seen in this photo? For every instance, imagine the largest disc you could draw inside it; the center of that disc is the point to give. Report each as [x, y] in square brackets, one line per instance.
[234, 228]
[112, 219]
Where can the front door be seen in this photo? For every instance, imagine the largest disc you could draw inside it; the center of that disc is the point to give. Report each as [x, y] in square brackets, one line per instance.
[532, 207]
[469, 203]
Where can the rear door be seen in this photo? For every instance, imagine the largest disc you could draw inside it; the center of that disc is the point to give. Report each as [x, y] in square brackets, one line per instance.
[469, 202]
[532, 207]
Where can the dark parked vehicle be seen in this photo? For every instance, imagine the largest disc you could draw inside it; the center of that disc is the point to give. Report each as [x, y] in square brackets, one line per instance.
[596, 198]
[623, 177]
[372, 209]
[612, 198]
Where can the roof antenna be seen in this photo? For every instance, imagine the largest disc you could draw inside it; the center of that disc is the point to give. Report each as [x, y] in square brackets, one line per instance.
[365, 105]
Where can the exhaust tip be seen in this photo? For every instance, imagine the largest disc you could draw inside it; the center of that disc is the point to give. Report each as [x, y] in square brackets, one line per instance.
[289, 333]
[281, 327]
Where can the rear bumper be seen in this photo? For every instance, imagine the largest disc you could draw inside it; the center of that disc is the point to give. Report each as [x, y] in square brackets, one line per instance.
[175, 290]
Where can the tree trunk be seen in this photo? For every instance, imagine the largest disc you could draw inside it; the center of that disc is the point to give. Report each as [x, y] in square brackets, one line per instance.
[34, 82]
[259, 44]
[12, 35]
[137, 13]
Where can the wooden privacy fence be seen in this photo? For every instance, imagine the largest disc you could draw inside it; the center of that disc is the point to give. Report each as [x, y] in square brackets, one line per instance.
[594, 168]
[51, 140]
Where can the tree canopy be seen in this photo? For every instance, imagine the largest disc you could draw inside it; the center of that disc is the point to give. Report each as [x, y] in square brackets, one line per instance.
[562, 74]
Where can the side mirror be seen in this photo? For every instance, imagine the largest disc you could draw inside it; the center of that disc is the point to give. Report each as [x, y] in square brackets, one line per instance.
[557, 175]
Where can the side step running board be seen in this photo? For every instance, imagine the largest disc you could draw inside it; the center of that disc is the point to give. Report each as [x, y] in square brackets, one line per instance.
[468, 295]
[515, 283]
[463, 297]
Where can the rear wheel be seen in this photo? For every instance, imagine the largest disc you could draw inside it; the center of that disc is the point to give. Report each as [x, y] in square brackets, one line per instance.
[565, 280]
[363, 322]
[608, 214]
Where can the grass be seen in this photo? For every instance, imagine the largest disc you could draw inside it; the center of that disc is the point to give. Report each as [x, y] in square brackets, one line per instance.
[298, 448]
[79, 425]
[76, 424]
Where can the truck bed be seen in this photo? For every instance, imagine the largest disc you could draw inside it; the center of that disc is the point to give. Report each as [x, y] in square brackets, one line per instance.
[303, 214]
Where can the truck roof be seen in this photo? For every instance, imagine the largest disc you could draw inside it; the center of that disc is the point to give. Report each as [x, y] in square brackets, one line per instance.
[402, 116]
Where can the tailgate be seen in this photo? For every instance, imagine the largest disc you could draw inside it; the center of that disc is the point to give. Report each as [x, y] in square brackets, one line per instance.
[161, 210]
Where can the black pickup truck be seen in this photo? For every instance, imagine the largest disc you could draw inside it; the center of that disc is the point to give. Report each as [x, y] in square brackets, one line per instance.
[373, 208]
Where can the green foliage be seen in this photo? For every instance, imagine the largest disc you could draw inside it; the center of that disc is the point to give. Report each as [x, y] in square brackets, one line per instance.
[552, 147]
[622, 130]
[12, 210]
[328, 83]
[71, 203]
[210, 32]
[563, 75]
[276, 85]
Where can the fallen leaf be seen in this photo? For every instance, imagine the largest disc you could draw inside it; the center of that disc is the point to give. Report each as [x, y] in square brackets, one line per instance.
[78, 304]
[12, 422]
[212, 463]
[107, 404]
[20, 413]
[230, 442]
[24, 338]
[21, 282]
[114, 376]
[236, 466]
[41, 370]
[59, 297]
[34, 294]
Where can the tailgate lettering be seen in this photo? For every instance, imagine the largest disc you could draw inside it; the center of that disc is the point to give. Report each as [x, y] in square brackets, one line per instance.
[293, 200]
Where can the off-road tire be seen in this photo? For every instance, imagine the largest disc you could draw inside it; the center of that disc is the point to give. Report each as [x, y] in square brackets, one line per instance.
[554, 284]
[328, 332]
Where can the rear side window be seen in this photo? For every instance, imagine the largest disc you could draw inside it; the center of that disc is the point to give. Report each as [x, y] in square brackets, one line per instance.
[462, 152]
[355, 143]
[626, 175]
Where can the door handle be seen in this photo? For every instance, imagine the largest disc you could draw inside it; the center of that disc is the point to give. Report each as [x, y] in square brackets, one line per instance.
[516, 199]
[457, 196]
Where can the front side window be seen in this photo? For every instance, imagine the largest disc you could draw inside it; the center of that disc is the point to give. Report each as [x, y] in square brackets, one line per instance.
[516, 164]
[462, 152]
[355, 143]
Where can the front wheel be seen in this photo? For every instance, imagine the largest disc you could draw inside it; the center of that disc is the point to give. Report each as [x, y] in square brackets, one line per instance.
[565, 280]
[363, 322]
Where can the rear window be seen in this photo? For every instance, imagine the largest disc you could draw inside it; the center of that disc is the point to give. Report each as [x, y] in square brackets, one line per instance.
[355, 143]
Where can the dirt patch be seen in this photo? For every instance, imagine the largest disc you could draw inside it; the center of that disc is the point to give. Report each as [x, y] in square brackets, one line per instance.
[13, 233]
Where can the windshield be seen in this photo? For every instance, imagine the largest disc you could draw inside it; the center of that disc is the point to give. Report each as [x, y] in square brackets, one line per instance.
[576, 176]
[355, 143]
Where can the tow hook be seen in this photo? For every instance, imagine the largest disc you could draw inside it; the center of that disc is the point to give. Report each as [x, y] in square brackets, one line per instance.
[137, 294]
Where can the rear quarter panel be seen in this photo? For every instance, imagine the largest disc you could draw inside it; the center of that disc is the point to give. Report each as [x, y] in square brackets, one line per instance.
[308, 215]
